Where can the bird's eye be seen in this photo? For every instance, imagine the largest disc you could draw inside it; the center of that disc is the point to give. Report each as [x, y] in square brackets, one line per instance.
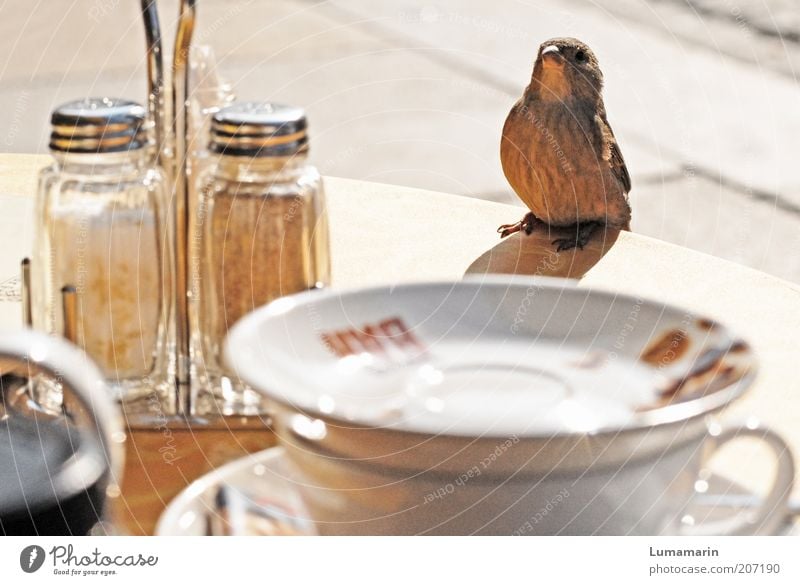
[580, 56]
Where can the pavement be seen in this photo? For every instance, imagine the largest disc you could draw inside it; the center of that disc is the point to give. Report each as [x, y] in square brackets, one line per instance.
[702, 94]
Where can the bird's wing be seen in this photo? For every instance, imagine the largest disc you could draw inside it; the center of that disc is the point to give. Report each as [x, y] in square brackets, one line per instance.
[612, 154]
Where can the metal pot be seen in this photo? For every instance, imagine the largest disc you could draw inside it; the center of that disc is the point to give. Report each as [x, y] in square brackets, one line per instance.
[59, 463]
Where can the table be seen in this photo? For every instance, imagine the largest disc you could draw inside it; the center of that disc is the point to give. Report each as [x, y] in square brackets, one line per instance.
[388, 234]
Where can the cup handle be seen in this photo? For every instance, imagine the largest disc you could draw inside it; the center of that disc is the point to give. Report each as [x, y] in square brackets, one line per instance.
[767, 514]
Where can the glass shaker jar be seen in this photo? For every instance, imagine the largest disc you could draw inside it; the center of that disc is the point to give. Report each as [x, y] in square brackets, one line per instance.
[264, 224]
[101, 231]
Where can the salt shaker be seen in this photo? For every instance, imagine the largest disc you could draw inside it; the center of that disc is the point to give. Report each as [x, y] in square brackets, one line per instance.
[264, 224]
[101, 229]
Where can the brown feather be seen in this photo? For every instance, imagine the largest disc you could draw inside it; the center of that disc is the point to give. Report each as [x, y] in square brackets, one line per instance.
[558, 150]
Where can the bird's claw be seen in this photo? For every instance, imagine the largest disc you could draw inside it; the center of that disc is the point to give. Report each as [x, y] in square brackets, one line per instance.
[508, 229]
[582, 236]
[563, 244]
[526, 224]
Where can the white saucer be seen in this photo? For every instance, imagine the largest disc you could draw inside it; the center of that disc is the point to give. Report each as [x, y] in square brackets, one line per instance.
[487, 356]
[265, 483]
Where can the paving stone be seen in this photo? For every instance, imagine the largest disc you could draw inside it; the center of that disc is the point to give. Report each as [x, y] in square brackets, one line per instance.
[779, 18]
[703, 215]
[725, 32]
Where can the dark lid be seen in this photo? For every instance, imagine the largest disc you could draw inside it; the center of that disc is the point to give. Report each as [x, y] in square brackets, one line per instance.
[259, 129]
[96, 125]
[33, 453]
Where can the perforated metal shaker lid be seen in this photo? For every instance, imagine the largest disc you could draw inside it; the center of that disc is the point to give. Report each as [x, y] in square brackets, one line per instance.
[97, 125]
[259, 129]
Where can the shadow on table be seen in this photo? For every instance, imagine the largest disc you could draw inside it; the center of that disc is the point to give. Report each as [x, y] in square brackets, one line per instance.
[535, 255]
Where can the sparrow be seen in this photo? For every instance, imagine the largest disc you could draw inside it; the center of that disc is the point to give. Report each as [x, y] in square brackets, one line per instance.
[558, 151]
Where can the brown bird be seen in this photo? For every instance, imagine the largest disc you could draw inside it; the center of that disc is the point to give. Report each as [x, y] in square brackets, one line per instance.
[558, 150]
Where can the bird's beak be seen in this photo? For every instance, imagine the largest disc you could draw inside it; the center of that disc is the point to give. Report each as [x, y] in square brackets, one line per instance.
[552, 57]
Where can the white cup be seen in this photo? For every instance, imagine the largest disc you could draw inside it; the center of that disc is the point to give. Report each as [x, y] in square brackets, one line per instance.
[501, 406]
[638, 484]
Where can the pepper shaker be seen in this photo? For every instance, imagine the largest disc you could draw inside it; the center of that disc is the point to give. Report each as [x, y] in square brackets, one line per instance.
[101, 229]
[264, 223]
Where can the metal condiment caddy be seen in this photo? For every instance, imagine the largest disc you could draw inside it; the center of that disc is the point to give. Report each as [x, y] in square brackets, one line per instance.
[183, 400]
